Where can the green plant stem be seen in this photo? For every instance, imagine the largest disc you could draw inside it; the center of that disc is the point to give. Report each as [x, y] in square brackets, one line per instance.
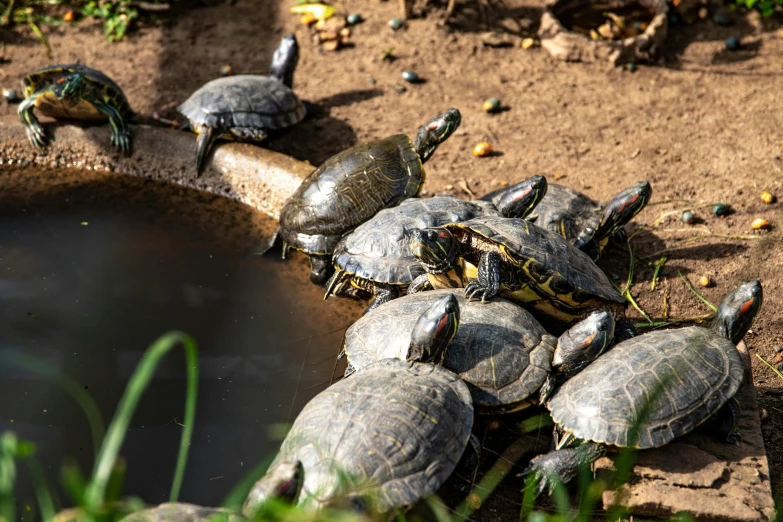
[658, 265]
[45, 502]
[777, 372]
[40, 35]
[95, 494]
[697, 294]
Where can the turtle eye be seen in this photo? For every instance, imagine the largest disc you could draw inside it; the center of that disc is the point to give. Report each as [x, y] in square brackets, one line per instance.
[432, 235]
[602, 326]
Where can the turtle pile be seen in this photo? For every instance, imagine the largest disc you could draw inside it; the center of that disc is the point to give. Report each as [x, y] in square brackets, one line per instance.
[478, 307]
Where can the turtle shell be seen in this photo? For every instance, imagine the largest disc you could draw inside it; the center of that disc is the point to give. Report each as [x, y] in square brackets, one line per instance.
[397, 426]
[244, 100]
[347, 190]
[666, 382]
[568, 213]
[109, 91]
[378, 249]
[499, 349]
[555, 271]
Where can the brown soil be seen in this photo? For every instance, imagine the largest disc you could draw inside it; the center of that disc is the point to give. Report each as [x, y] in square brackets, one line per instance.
[703, 127]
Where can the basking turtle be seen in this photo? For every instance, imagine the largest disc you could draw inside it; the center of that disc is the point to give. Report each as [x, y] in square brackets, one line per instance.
[351, 187]
[76, 92]
[354, 440]
[647, 391]
[500, 350]
[244, 107]
[376, 258]
[182, 512]
[520, 261]
[587, 224]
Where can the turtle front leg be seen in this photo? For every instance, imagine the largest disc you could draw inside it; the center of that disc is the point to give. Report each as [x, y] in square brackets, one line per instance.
[420, 284]
[383, 294]
[726, 422]
[487, 285]
[35, 132]
[561, 466]
[120, 132]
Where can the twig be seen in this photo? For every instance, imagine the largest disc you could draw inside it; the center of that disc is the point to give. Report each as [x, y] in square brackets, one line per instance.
[149, 6]
[665, 311]
[697, 294]
[777, 372]
[679, 320]
[40, 35]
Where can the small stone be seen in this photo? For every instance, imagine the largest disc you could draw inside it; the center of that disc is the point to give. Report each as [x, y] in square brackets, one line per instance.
[400, 88]
[372, 80]
[496, 39]
[721, 18]
[474, 501]
[449, 187]
[688, 217]
[767, 197]
[354, 18]
[703, 13]
[732, 43]
[11, 96]
[631, 67]
[705, 282]
[778, 348]
[410, 77]
[763, 413]
[636, 153]
[492, 105]
[720, 209]
[527, 43]
[760, 224]
[226, 70]
[482, 149]
[396, 23]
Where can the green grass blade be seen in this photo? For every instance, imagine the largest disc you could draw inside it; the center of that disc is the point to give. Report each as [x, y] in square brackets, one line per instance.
[7, 476]
[777, 372]
[96, 491]
[236, 497]
[658, 265]
[40, 35]
[697, 294]
[45, 502]
[70, 386]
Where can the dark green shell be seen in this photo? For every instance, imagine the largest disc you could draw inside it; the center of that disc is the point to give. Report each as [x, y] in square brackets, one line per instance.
[544, 258]
[182, 512]
[397, 426]
[104, 86]
[568, 213]
[499, 349]
[243, 101]
[685, 375]
[378, 250]
[347, 190]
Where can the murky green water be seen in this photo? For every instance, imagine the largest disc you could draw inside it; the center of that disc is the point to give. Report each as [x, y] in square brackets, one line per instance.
[94, 267]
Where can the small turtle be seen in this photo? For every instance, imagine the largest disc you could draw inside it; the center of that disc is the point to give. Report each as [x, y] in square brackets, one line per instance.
[351, 187]
[182, 512]
[585, 223]
[75, 92]
[354, 440]
[245, 106]
[647, 391]
[376, 258]
[490, 255]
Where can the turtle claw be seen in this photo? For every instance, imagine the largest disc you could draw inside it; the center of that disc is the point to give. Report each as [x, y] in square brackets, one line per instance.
[37, 136]
[474, 289]
[121, 140]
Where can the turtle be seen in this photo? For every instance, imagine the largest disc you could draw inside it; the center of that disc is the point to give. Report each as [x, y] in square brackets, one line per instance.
[245, 107]
[353, 186]
[649, 390]
[375, 257]
[499, 350]
[586, 223]
[354, 442]
[75, 91]
[182, 512]
[491, 255]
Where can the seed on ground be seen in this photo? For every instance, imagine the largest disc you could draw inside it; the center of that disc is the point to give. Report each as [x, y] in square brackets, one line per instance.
[482, 149]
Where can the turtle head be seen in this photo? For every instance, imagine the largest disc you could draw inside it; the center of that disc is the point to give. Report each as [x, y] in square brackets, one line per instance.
[70, 87]
[435, 132]
[576, 348]
[623, 207]
[434, 331]
[435, 248]
[520, 200]
[284, 60]
[737, 311]
[283, 483]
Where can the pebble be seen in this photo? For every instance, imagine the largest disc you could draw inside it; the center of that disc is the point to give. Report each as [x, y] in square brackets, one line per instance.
[372, 80]
[631, 67]
[760, 224]
[527, 43]
[767, 197]
[721, 19]
[474, 501]
[492, 105]
[720, 209]
[688, 217]
[11, 96]
[396, 23]
[705, 282]
[410, 77]
[732, 43]
[354, 18]
[763, 413]
[482, 149]
[226, 70]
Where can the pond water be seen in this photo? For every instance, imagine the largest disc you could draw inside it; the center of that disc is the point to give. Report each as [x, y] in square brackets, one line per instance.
[94, 267]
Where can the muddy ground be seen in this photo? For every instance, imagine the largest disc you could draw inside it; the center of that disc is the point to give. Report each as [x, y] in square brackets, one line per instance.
[703, 126]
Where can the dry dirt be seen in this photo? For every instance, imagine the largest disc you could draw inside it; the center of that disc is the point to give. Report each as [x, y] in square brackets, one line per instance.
[703, 126]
